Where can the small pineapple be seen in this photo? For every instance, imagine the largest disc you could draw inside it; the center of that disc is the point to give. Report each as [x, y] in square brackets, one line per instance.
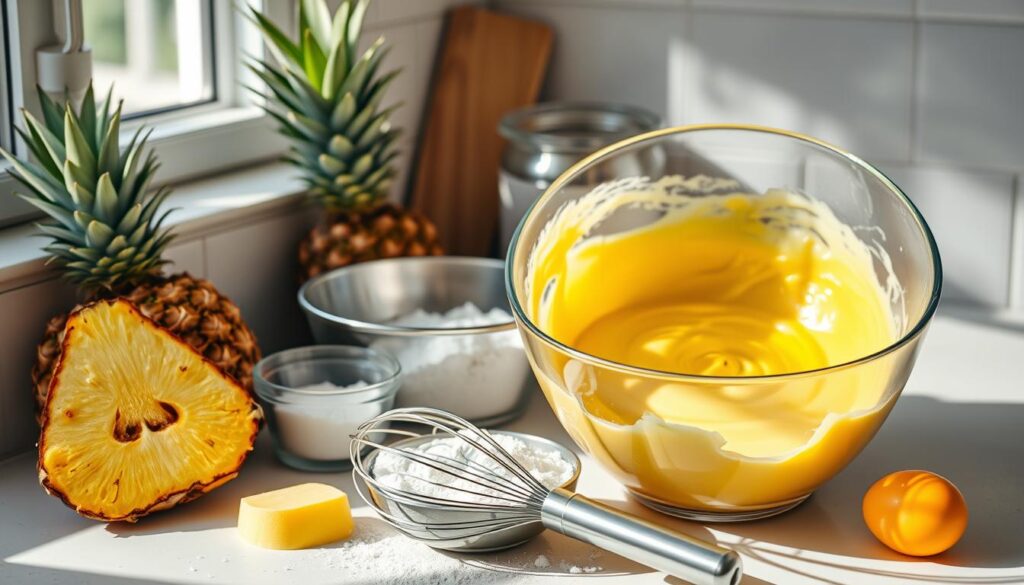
[136, 420]
[107, 236]
[327, 102]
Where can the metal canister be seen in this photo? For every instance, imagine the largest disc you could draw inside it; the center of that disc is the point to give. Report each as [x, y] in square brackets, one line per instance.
[546, 139]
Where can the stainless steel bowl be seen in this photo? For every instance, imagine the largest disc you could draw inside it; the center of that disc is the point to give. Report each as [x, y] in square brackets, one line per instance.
[492, 541]
[356, 304]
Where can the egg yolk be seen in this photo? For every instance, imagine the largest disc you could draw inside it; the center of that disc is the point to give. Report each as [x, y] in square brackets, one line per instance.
[916, 513]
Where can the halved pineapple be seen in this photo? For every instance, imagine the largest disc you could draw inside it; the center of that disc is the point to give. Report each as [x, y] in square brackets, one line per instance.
[137, 421]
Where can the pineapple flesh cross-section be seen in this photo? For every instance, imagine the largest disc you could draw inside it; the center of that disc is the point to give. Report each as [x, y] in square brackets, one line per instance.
[136, 420]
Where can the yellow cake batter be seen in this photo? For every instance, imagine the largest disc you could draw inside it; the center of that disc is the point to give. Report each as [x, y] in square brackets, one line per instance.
[725, 289]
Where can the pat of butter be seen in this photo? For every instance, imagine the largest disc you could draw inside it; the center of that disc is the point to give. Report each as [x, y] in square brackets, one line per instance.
[300, 516]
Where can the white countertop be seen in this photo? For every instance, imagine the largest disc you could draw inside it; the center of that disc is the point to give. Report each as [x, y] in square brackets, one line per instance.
[962, 416]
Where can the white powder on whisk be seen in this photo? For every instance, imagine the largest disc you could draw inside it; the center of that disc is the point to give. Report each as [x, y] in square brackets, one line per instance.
[402, 473]
[474, 376]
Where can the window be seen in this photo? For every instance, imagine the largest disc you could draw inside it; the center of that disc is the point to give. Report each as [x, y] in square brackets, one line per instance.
[155, 53]
[179, 65]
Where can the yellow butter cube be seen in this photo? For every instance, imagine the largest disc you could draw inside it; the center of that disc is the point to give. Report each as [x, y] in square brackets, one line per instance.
[300, 516]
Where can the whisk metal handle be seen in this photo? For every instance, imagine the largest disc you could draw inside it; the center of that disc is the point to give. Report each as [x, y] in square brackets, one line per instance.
[637, 539]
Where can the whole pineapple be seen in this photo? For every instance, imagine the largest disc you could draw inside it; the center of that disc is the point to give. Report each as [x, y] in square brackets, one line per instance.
[327, 102]
[107, 236]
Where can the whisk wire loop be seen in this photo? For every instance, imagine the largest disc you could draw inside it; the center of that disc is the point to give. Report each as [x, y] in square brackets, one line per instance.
[517, 485]
[473, 500]
[465, 469]
[455, 426]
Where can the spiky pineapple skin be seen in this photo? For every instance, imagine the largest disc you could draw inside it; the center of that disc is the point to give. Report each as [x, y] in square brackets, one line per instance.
[190, 308]
[348, 237]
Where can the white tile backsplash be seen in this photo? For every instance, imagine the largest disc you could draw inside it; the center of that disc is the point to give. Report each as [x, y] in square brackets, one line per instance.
[1017, 268]
[256, 266]
[406, 10]
[395, 10]
[971, 215]
[971, 95]
[24, 313]
[186, 257]
[1004, 11]
[613, 54]
[854, 7]
[641, 4]
[428, 46]
[845, 80]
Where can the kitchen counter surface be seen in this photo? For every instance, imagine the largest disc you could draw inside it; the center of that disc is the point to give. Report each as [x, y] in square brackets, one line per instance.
[962, 416]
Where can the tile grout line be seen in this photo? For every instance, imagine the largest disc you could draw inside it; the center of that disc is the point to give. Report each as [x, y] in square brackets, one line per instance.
[1016, 275]
[688, 61]
[915, 85]
[202, 250]
[915, 14]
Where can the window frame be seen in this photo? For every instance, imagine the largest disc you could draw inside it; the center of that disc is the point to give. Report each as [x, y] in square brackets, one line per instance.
[192, 141]
[6, 129]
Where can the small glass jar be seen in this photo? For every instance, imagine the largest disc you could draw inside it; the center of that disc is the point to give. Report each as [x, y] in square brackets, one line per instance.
[315, 397]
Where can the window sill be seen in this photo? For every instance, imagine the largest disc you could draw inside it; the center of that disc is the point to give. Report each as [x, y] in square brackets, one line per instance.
[201, 206]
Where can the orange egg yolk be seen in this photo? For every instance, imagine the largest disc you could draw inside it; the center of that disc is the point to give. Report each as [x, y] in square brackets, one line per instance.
[916, 513]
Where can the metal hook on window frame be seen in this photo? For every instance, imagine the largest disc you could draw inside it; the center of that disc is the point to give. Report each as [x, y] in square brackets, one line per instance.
[74, 28]
[67, 67]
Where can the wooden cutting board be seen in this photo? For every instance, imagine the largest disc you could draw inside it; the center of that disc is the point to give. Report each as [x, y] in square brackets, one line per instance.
[491, 63]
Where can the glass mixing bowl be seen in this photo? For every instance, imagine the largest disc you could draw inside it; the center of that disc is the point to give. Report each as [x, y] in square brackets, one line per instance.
[682, 470]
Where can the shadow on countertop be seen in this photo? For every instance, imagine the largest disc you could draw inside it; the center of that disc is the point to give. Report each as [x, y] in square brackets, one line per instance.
[16, 574]
[977, 446]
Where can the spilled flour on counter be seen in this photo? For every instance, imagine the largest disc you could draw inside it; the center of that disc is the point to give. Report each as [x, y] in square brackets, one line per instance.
[378, 554]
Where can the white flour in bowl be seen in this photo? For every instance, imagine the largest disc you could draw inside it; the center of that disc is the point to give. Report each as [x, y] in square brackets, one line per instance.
[474, 376]
[402, 473]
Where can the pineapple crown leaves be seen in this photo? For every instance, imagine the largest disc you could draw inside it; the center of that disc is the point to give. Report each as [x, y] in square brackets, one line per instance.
[328, 102]
[105, 233]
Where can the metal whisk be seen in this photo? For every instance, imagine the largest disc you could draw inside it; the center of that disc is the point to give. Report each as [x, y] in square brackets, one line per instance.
[515, 506]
